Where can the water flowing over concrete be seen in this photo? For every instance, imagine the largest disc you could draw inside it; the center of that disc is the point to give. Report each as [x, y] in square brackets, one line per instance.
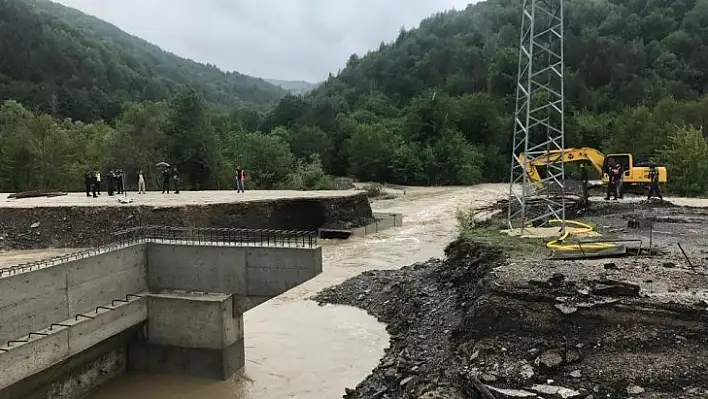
[296, 349]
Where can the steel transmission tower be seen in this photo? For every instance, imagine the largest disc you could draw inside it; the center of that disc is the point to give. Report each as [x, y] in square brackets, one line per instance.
[539, 123]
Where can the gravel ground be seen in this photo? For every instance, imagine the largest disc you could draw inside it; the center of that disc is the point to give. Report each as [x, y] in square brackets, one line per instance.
[156, 198]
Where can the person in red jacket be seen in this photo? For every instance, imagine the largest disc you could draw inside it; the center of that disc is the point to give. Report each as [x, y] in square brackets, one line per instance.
[240, 177]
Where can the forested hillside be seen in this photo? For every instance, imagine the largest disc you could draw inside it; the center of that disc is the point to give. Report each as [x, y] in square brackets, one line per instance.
[66, 63]
[432, 107]
[435, 106]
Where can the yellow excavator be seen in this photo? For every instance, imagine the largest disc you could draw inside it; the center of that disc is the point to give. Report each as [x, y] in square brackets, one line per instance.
[633, 175]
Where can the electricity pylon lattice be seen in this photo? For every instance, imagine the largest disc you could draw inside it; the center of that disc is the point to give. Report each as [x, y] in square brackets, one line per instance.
[539, 125]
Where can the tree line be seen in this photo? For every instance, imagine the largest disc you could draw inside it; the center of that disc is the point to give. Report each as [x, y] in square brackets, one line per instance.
[433, 107]
[39, 152]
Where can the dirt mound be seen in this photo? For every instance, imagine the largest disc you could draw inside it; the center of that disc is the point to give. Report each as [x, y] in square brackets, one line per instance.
[457, 330]
[34, 228]
[426, 306]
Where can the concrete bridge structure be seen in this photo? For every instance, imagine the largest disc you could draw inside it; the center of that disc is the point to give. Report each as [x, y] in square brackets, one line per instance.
[169, 302]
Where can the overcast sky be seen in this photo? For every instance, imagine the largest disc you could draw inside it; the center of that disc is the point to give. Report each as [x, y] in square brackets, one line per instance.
[279, 39]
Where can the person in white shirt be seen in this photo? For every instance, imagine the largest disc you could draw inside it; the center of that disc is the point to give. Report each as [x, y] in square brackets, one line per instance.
[141, 183]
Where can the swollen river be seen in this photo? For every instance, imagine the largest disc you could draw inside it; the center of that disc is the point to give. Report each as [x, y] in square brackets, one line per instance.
[297, 349]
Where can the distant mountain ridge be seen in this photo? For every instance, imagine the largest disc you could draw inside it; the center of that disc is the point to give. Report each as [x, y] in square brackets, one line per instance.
[59, 60]
[294, 86]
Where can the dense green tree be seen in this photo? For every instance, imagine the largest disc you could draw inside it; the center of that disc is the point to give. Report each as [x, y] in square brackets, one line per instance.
[191, 140]
[686, 152]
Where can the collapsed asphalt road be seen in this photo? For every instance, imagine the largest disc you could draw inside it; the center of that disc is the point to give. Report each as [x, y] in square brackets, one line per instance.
[458, 331]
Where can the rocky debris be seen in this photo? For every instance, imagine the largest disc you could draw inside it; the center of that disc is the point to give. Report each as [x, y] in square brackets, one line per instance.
[428, 310]
[550, 359]
[635, 390]
[610, 266]
[569, 305]
[462, 323]
[513, 393]
[555, 391]
[615, 288]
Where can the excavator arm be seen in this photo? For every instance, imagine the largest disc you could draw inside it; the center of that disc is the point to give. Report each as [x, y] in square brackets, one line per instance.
[587, 154]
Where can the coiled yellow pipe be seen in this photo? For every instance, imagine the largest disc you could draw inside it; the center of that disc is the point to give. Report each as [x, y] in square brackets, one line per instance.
[558, 244]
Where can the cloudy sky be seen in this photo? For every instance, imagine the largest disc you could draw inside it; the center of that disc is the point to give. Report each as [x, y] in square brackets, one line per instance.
[280, 39]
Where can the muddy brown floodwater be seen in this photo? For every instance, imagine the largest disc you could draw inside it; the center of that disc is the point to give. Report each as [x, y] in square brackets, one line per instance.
[297, 349]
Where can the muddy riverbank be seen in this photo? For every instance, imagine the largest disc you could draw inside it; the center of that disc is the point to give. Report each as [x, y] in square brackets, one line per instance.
[427, 308]
[521, 325]
[74, 221]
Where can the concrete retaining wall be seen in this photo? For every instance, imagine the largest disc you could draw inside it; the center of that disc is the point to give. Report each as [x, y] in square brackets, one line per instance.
[187, 333]
[382, 221]
[80, 374]
[209, 342]
[50, 346]
[246, 272]
[32, 301]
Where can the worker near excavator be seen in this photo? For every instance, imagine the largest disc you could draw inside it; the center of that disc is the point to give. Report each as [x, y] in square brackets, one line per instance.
[614, 173]
[654, 183]
[584, 178]
[619, 176]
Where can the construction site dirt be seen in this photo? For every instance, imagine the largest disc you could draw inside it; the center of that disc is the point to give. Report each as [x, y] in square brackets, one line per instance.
[491, 323]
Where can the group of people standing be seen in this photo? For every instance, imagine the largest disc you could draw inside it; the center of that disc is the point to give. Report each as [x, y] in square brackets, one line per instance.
[168, 175]
[615, 174]
[93, 180]
[115, 181]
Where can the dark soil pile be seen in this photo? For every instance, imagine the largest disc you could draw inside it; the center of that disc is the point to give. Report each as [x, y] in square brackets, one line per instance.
[427, 307]
[458, 329]
[81, 227]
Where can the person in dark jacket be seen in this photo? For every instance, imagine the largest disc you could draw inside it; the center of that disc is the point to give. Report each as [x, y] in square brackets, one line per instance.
[119, 181]
[614, 173]
[166, 180]
[110, 181]
[88, 182]
[176, 179]
[585, 180]
[654, 183]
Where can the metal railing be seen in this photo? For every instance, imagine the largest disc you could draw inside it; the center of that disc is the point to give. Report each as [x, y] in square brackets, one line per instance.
[180, 235]
[90, 315]
[220, 236]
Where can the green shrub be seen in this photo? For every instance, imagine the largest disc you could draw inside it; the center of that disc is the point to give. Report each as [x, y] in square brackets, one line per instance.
[373, 190]
[308, 175]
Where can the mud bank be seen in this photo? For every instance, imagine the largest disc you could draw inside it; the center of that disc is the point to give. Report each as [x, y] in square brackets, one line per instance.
[459, 331]
[86, 226]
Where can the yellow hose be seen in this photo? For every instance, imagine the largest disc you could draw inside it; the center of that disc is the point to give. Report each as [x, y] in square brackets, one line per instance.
[584, 228]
